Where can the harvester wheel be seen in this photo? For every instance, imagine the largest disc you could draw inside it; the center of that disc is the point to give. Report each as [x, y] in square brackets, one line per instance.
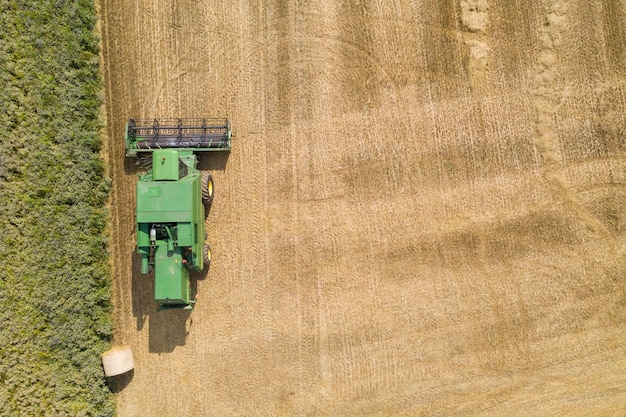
[207, 188]
[207, 255]
[117, 361]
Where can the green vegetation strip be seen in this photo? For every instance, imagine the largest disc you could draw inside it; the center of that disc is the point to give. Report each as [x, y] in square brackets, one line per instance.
[54, 285]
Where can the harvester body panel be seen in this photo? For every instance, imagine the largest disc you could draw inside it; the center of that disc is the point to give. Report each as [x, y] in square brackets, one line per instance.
[170, 225]
[171, 279]
[165, 202]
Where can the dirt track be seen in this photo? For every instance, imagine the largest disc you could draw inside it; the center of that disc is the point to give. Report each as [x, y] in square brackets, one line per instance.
[422, 214]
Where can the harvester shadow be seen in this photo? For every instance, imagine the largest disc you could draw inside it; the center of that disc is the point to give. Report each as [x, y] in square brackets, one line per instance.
[207, 161]
[133, 166]
[166, 329]
[198, 276]
[213, 161]
[142, 290]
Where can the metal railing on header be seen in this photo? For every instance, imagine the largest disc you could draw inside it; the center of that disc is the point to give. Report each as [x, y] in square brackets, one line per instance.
[199, 134]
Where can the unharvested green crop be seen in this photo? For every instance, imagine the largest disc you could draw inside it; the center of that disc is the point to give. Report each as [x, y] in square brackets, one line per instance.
[54, 287]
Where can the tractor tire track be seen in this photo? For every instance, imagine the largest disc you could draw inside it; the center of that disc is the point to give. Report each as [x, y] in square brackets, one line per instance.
[408, 221]
[548, 95]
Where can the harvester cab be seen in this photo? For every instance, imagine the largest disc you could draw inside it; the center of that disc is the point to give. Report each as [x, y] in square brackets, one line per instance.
[172, 197]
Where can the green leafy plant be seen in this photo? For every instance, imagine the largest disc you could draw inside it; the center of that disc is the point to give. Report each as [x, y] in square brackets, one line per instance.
[54, 279]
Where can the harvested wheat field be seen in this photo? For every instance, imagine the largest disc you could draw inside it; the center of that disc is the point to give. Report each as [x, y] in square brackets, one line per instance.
[422, 213]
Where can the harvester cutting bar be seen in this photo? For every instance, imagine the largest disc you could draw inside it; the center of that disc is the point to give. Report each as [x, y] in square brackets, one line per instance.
[196, 134]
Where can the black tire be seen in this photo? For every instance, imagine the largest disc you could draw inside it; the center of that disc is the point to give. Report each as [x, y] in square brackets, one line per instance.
[207, 255]
[207, 188]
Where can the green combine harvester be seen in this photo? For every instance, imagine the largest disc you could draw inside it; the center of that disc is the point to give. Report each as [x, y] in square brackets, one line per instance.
[172, 197]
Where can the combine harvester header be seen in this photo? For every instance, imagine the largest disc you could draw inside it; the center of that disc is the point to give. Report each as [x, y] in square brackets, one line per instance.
[198, 135]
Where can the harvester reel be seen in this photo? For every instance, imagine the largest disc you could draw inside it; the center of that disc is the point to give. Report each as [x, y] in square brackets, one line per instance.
[147, 135]
[207, 188]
